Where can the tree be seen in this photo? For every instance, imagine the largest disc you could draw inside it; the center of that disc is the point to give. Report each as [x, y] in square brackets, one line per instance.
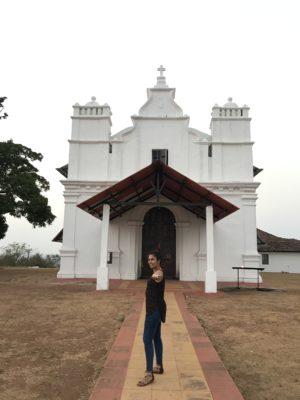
[4, 115]
[14, 252]
[21, 187]
[21, 254]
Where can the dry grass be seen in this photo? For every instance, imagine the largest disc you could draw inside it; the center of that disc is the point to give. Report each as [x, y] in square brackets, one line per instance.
[257, 335]
[54, 337]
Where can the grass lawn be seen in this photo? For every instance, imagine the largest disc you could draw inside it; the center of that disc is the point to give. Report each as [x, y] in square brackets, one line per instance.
[257, 335]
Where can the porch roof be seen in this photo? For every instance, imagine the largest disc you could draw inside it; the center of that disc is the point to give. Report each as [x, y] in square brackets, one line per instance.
[154, 181]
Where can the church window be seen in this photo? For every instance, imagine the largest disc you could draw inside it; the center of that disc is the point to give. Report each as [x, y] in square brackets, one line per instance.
[265, 259]
[210, 150]
[160, 155]
[110, 148]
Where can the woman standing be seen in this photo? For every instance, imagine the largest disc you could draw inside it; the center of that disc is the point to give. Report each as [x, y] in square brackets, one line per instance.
[155, 314]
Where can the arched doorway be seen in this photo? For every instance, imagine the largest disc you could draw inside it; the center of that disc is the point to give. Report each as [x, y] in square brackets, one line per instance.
[159, 232]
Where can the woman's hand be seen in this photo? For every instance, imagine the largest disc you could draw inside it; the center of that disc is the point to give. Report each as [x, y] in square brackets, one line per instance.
[158, 276]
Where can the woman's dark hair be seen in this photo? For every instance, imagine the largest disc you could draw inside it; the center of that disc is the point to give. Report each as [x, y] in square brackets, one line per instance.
[154, 253]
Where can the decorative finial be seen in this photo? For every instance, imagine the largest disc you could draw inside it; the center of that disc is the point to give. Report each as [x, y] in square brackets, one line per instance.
[93, 98]
[230, 99]
[161, 70]
[161, 79]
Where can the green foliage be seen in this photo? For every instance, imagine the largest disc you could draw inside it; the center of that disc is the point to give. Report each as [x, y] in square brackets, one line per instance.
[21, 187]
[3, 115]
[21, 254]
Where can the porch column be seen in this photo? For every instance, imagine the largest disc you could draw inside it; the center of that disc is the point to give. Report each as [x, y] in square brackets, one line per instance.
[210, 274]
[102, 270]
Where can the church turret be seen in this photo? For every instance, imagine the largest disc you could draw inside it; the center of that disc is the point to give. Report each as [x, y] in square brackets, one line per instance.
[231, 149]
[230, 122]
[89, 144]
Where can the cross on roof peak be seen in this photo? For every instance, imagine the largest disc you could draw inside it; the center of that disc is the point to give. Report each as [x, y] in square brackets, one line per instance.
[161, 70]
[161, 79]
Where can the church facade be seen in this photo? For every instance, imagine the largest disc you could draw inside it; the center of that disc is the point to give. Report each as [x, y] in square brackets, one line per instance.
[197, 169]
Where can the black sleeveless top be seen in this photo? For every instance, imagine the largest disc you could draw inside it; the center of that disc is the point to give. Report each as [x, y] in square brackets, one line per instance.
[155, 296]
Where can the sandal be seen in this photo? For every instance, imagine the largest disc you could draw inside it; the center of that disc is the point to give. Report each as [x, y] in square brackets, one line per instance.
[148, 378]
[158, 370]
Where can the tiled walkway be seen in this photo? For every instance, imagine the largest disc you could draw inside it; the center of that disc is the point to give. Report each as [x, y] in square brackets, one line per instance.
[193, 369]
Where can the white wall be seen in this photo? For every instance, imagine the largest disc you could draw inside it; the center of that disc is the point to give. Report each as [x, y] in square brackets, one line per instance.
[87, 244]
[283, 262]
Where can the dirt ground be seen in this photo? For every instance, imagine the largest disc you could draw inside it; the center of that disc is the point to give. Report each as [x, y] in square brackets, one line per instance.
[257, 335]
[53, 337]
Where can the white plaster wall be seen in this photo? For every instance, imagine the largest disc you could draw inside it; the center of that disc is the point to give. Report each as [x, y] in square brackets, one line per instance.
[128, 264]
[187, 148]
[149, 134]
[87, 244]
[197, 161]
[115, 165]
[230, 129]
[283, 262]
[93, 161]
[235, 236]
[90, 128]
[129, 155]
[190, 248]
[229, 243]
[113, 246]
[237, 164]
[160, 103]
[232, 162]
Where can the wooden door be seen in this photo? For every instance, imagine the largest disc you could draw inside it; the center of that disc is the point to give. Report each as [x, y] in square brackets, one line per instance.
[159, 233]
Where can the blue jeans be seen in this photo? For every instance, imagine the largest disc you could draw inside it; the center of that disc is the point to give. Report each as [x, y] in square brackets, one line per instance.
[152, 334]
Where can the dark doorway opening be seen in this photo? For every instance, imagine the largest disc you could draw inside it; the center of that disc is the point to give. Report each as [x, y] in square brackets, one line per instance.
[159, 233]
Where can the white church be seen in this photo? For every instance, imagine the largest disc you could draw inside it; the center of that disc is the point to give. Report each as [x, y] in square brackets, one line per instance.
[159, 184]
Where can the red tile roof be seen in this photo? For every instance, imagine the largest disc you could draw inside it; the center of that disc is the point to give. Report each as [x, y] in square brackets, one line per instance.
[267, 243]
[154, 181]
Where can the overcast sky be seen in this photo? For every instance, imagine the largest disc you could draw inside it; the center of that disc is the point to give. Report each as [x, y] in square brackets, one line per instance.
[56, 53]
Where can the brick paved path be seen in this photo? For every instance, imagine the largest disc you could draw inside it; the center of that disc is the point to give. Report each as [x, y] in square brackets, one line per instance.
[193, 369]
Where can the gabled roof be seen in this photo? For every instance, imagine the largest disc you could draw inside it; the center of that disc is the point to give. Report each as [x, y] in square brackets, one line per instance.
[154, 181]
[267, 243]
